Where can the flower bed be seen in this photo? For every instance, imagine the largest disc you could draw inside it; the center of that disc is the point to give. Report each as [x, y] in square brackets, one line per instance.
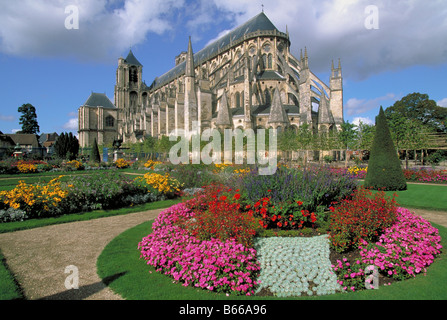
[189, 238]
[105, 190]
[426, 175]
[404, 250]
[221, 266]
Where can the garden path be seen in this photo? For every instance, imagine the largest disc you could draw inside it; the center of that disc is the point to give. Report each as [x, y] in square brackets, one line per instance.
[39, 257]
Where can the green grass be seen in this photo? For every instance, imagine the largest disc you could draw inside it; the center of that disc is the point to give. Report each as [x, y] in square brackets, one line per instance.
[9, 288]
[422, 196]
[125, 273]
[36, 223]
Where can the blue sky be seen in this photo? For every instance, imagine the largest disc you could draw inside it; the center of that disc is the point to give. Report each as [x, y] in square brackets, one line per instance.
[387, 48]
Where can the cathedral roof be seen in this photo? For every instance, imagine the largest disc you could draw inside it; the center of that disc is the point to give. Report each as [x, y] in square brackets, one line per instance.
[99, 100]
[257, 23]
[132, 60]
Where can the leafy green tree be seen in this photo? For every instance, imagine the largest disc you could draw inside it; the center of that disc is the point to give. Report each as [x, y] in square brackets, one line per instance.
[28, 119]
[384, 170]
[365, 136]
[94, 152]
[305, 139]
[421, 108]
[347, 137]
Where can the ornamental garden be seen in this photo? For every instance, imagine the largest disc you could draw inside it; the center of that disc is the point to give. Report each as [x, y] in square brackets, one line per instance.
[311, 230]
[299, 232]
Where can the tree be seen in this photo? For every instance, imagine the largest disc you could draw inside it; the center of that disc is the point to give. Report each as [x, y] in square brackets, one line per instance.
[66, 146]
[419, 107]
[347, 137]
[28, 119]
[304, 140]
[365, 136]
[384, 170]
[94, 153]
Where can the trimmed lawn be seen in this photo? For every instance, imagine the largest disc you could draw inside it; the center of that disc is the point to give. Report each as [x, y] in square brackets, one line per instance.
[420, 196]
[125, 273]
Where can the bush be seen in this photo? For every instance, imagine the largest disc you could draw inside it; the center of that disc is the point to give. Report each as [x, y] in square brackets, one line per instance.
[11, 214]
[36, 200]
[226, 267]
[122, 164]
[384, 170]
[159, 184]
[218, 215]
[105, 190]
[362, 217]
[316, 187]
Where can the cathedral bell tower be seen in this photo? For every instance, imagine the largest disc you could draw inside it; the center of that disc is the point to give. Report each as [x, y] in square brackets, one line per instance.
[127, 95]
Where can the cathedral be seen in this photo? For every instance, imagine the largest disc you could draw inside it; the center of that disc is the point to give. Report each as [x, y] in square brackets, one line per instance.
[248, 78]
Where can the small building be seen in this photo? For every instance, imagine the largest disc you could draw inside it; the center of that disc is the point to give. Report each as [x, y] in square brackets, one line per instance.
[28, 143]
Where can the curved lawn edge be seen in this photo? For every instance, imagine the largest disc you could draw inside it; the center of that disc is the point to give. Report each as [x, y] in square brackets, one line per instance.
[120, 267]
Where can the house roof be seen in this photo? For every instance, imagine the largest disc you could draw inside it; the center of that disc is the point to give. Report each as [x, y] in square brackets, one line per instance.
[257, 23]
[25, 139]
[99, 100]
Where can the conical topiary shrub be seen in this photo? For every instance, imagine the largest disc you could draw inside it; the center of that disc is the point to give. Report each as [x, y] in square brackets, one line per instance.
[384, 170]
[94, 155]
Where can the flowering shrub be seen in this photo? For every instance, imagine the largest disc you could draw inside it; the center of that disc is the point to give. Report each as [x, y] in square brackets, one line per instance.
[105, 190]
[151, 164]
[361, 217]
[26, 167]
[122, 164]
[405, 249]
[288, 215]
[74, 165]
[358, 172]
[35, 200]
[426, 175]
[315, 186]
[159, 184]
[218, 215]
[220, 266]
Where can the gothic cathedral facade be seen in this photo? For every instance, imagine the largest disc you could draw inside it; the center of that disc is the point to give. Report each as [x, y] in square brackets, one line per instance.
[246, 79]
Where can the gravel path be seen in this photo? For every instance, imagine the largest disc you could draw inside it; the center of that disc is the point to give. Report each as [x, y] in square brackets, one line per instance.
[39, 257]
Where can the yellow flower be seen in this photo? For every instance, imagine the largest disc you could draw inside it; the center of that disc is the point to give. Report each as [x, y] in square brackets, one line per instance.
[121, 163]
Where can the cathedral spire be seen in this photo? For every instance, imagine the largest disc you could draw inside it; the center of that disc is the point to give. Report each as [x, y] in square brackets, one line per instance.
[189, 72]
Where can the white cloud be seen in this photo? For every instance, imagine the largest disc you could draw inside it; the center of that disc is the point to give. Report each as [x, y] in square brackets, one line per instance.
[359, 106]
[410, 32]
[105, 29]
[363, 120]
[442, 103]
[71, 125]
[15, 130]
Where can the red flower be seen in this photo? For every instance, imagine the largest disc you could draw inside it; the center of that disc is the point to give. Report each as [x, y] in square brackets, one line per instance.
[223, 198]
[237, 196]
[300, 203]
[279, 224]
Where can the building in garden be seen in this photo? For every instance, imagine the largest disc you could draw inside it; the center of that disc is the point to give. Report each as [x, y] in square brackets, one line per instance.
[246, 79]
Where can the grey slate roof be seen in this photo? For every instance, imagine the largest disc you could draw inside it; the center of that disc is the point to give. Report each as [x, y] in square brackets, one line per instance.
[258, 23]
[99, 100]
[132, 60]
